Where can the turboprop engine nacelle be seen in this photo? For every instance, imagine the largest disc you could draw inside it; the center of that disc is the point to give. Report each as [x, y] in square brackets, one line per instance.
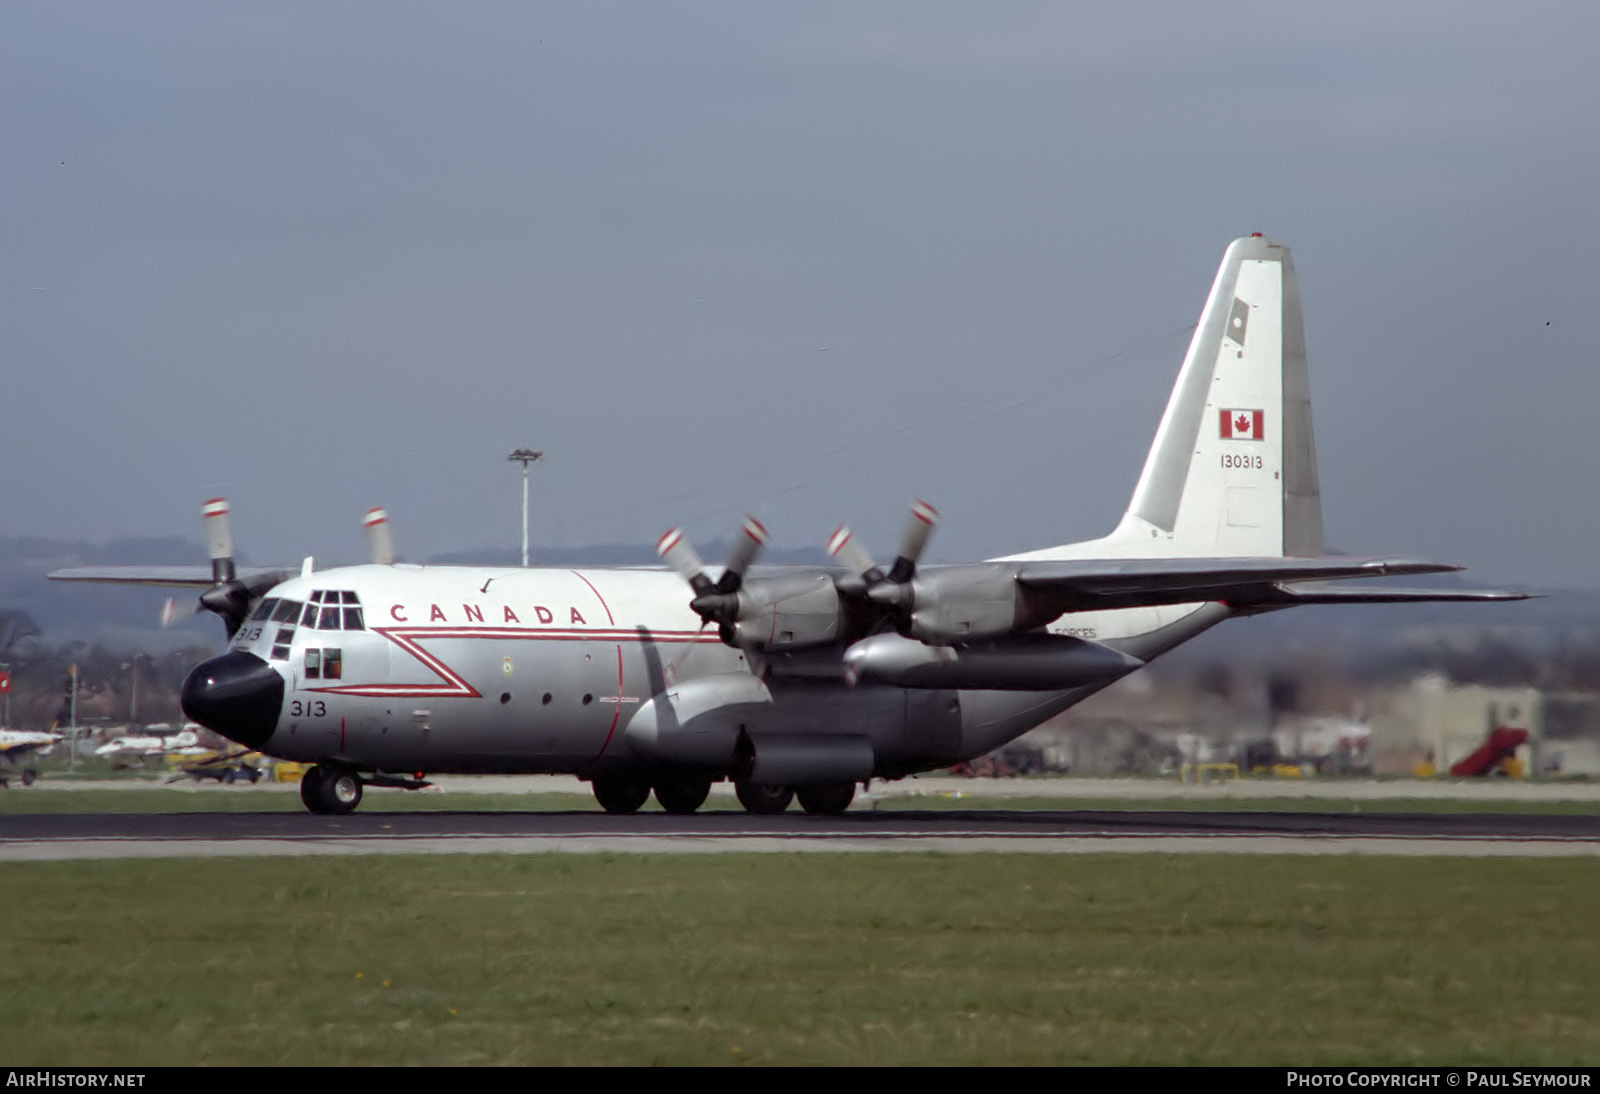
[969, 603]
[1041, 662]
[787, 613]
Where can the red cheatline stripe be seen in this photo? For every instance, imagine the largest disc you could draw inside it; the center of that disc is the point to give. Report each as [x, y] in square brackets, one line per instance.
[408, 639]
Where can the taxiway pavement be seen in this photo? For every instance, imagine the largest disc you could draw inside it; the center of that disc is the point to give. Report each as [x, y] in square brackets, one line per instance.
[45, 837]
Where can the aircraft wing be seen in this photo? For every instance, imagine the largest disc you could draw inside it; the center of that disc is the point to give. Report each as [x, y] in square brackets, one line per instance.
[178, 577]
[1126, 583]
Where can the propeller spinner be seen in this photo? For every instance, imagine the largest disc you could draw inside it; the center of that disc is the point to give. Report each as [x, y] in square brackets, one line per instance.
[891, 588]
[714, 601]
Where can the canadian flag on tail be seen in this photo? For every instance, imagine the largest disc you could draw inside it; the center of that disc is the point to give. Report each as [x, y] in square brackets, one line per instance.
[1243, 425]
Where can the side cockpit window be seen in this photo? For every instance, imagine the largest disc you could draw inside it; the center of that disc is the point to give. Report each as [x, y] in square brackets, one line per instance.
[324, 664]
[263, 610]
[288, 613]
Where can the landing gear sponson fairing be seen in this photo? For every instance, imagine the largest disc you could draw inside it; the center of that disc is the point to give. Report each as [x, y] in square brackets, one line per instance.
[794, 682]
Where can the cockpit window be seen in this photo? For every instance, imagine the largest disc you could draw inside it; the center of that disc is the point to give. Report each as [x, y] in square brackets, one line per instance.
[352, 620]
[330, 620]
[308, 618]
[287, 611]
[264, 610]
[350, 597]
[316, 597]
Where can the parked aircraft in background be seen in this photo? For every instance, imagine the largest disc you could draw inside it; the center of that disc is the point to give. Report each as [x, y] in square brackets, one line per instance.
[134, 750]
[17, 744]
[792, 682]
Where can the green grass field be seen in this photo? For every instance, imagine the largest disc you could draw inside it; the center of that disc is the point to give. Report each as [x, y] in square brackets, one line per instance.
[813, 959]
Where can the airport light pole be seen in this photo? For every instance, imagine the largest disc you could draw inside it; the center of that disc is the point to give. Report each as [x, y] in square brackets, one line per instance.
[525, 456]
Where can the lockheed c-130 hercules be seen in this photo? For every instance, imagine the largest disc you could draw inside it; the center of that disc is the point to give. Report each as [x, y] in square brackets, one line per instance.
[793, 682]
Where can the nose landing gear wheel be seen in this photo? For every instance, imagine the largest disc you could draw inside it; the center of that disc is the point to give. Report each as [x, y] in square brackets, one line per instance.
[682, 795]
[310, 789]
[331, 791]
[826, 799]
[620, 794]
[763, 798]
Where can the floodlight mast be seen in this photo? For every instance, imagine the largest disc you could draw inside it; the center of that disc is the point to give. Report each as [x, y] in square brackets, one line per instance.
[525, 456]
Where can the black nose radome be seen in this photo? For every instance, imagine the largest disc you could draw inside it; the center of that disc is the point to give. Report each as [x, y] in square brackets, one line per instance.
[238, 695]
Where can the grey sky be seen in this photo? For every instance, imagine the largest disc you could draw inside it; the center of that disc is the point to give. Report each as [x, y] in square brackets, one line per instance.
[808, 260]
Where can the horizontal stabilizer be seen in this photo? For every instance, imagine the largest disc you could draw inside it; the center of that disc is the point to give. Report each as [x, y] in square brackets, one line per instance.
[1291, 595]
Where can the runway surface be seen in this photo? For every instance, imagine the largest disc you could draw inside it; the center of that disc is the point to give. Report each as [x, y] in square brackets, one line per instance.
[44, 837]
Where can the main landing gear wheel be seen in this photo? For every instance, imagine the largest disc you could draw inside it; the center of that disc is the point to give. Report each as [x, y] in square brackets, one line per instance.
[763, 797]
[29, 776]
[331, 791]
[826, 799]
[620, 794]
[682, 794]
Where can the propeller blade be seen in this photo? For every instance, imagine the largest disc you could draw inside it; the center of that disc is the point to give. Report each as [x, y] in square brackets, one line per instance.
[752, 537]
[380, 540]
[924, 518]
[219, 539]
[676, 551]
[172, 612]
[842, 545]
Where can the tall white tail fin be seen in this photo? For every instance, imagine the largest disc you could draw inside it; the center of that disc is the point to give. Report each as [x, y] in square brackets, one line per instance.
[1233, 471]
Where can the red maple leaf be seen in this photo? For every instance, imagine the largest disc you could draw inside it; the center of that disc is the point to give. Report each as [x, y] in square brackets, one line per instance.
[1241, 424]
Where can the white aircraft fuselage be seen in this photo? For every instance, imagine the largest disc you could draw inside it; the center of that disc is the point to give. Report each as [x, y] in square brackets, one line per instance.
[472, 669]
